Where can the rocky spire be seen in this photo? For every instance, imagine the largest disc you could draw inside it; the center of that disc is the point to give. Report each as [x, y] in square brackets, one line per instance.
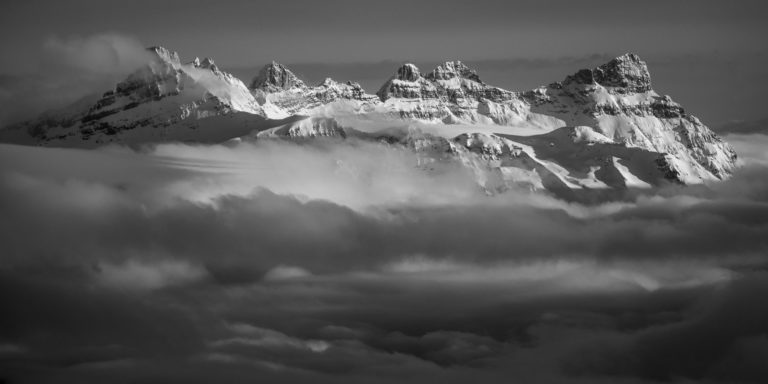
[408, 72]
[627, 71]
[453, 69]
[165, 55]
[209, 64]
[407, 82]
[275, 77]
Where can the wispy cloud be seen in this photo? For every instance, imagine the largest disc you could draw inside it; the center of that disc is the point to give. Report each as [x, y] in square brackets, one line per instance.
[68, 69]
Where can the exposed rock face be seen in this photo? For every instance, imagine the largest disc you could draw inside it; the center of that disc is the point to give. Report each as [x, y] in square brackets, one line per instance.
[166, 55]
[451, 93]
[627, 72]
[278, 86]
[158, 79]
[330, 90]
[275, 77]
[409, 84]
[616, 99]
[207, 63]
[408, 72]
[451, 81]
[453, 69]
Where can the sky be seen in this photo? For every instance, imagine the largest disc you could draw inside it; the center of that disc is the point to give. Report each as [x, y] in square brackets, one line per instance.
[709, 55]
[248, 32]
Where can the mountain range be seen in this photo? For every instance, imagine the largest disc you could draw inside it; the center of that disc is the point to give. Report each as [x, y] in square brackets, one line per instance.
[599, 128]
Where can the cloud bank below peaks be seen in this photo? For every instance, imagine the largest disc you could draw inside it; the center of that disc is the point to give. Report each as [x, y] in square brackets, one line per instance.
[348, 262]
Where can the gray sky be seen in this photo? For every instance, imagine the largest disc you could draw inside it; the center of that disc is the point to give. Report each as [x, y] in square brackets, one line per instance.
[691, 46]
[246, 32]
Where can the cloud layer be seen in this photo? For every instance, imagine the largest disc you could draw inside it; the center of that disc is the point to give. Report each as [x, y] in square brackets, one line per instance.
[346, 262]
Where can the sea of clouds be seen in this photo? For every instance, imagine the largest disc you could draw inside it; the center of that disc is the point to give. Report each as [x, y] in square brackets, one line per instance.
[349, 262]
[354, 262]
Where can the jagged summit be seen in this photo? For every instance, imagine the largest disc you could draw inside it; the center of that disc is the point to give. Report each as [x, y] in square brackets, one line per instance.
[209, 64]
[451, 81]
[165, 55]
[627, 71]
[407, 83]
[614, 102]
[206, 63]
[408, 72]
[453, 69]
[275, 77]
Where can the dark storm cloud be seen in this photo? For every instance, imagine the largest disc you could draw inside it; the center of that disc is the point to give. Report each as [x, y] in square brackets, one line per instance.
[150, 265]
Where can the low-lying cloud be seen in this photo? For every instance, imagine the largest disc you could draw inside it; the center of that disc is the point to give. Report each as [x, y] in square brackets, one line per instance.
[348, 262]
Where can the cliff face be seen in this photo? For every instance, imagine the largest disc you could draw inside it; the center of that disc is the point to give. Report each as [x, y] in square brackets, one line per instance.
[277, 86]
[618, 101]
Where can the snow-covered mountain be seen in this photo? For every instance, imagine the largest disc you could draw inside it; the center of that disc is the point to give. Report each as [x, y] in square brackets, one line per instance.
[599, 128]
[163, 101]
[618, 101]
[277, 85]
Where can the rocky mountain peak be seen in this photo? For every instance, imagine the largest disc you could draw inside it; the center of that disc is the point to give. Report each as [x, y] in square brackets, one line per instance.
[275, 77]
[328, 82]
[165, 55]
[209, 64]
[627, 72]
[206, 63]
[408, 72]
[612, 99]
[453, 69]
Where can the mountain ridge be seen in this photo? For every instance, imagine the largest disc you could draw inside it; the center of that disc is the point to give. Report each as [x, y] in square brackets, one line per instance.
[170, 101]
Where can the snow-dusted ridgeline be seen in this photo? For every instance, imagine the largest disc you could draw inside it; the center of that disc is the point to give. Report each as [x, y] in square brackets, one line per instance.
[599, 128]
